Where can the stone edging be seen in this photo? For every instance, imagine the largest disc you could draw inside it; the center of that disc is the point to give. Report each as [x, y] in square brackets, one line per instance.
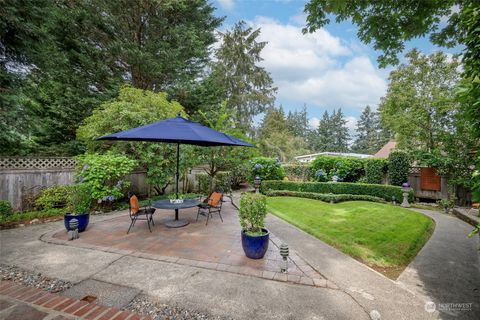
[311, 276]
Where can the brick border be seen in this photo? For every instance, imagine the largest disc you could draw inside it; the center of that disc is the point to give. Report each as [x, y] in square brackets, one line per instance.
[311, 277]
[58, 304]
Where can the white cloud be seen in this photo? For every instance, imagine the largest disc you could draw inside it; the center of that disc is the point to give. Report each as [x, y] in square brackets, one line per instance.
[318, 69]
[226, 4]
[313, 122]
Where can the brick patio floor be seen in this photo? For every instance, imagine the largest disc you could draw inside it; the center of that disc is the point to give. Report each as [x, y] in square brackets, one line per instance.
[214, 246]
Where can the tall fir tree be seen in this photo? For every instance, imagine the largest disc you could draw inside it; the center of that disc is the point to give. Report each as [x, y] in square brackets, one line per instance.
[322, 137]
[371, 135]
[297, 122]
[340, 135]
[245, 85]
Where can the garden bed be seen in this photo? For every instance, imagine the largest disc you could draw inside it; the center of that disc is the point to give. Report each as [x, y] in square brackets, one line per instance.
[382, 236]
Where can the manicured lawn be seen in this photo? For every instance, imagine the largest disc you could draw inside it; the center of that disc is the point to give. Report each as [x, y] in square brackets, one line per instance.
[380, 235]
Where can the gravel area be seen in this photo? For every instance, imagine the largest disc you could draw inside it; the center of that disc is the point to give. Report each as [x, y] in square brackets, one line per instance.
[33, 279]
[143, 305]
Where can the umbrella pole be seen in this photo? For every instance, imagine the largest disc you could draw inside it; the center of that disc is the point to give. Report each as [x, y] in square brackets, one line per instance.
[176, 177]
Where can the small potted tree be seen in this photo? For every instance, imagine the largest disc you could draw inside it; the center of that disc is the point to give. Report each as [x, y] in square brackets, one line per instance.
[253, 210]
[79, 202]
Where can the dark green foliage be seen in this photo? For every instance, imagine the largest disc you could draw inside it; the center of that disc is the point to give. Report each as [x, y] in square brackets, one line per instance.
[390, 23]
[252, 213]
[30, 215]
[375, 170]
[371, 136]
[326, 197]
[53, 197]
[221, 182]
[67, 57]
[5, 208]
[346, 169]
[80, 199]
[275, 138]
[298, 172]
[245, 85]
[266, 169]
[331, 134]
[375, 190]
[398, 167]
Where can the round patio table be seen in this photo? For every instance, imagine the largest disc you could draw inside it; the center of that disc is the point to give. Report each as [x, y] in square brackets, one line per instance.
[166, 204]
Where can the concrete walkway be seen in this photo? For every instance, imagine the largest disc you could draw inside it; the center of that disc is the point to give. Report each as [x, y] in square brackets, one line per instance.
[447, 269]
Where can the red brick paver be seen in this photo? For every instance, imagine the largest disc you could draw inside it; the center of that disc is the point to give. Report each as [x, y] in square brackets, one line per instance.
[216, 246]
[24, 302]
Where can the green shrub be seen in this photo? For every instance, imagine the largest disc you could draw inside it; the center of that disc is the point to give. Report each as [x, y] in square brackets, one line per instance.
[30, 215]
[385, 192]
[398, 167]
[80, 199]
[375, 169]
[266, 169]
[53, 197]
[252, 213]
[298, 172]
[221, 182]
[5, 208]
[323, 168]
[326, 197]
[103, 174]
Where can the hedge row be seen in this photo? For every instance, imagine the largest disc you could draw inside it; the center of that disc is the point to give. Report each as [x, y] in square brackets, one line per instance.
[327, 197]
[385, 192]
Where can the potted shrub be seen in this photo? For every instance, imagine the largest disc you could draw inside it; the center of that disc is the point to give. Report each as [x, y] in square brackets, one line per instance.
[253, 210]
[79, 202]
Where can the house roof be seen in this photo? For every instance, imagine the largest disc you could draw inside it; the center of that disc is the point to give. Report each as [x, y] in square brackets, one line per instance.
[385, 150]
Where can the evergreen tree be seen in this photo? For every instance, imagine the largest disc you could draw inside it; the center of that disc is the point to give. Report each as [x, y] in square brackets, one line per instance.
[247, 87]
[340, 135]
[371, 135]
[66, 57]
[322, 138]
[275, 138]
[297, 122]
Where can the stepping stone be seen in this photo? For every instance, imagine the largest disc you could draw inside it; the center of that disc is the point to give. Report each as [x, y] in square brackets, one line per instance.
[107, 294]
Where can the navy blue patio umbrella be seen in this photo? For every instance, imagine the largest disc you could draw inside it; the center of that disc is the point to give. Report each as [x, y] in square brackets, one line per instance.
[178, 130]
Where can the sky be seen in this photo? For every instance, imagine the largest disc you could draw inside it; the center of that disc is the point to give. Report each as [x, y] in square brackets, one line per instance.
[326, 70]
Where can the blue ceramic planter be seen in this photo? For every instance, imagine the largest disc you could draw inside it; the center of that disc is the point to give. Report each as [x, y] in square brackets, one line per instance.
[83, 220]
[255, 247]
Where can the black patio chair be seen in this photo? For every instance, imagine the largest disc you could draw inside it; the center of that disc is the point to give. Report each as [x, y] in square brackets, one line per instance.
[212, 204]
[140, 213]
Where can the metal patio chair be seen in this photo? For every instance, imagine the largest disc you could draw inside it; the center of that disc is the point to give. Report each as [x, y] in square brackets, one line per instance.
[212, 204]
[136, 212]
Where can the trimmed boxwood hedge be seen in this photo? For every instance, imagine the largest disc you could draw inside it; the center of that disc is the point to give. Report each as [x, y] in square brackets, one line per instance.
[327, 197]
[376, 190]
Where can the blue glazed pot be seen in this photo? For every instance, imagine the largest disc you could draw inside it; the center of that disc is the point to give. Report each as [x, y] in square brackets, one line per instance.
[255, 246]
[83, 220]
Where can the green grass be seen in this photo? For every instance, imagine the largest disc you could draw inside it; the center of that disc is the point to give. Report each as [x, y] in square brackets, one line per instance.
[30, 215]
[377, 234]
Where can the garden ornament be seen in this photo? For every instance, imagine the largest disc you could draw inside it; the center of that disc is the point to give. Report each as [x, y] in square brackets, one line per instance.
[406, 187]
[284, 253]
[73, 232]
[257, 182]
